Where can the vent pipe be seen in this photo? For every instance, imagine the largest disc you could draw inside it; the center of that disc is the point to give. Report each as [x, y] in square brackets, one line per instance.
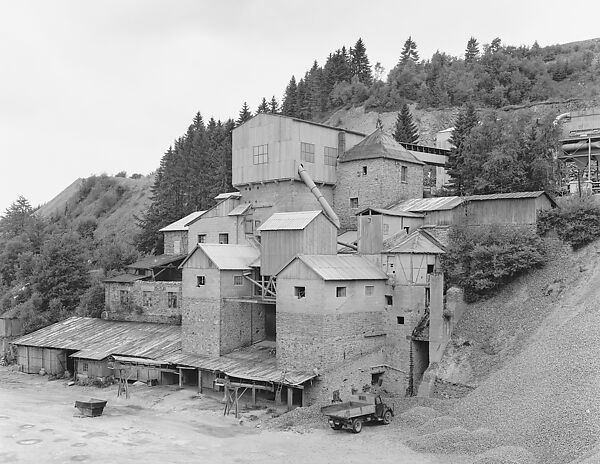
[328, 210]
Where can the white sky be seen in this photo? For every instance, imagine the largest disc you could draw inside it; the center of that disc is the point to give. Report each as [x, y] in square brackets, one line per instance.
[92, 87]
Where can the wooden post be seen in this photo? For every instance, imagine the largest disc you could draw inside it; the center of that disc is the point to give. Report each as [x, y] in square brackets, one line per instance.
[180, 378]
[199, 381]
[253, 395]
[290, 394]
[302, 401]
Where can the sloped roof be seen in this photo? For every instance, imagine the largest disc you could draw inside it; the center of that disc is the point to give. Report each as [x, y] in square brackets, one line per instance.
[155, 261]
[379, 145]
[312, 123]
[182, 224]
[509, 196]
[390, 212]
[224, 196]
[125, 278]
[428, 204]
[418, 242]
[98, 338]
[296, 220]
[341, 267]
[240, 210]
[227, 256]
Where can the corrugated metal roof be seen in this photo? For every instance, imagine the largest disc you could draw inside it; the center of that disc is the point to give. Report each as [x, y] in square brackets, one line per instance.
[240, 210]
[390, 212]
[155, 261]
[415, 243]
[227, 256]
[125, 278]
[342, 267]
[182, 223]
[133, 360]
[224, 196]
[379, 145]
[508, 196]
[428, 204]
[98, 338]
[296, 220]
[256, 362]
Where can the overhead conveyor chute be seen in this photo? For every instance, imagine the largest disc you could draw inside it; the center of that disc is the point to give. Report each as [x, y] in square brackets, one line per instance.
[327, 209]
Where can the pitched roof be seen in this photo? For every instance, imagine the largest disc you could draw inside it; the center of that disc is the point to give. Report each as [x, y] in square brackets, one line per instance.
[312, 123]
[182, 224]
[227, 256]
[428, 204]
[296, 220]
[390, 212]
[151, 262]
[379, 145]
[341, 267]
[509, 196]
[418, 242]
[98, 338]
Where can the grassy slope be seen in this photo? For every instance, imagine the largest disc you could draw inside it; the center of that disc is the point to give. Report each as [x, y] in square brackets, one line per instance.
[534, 357]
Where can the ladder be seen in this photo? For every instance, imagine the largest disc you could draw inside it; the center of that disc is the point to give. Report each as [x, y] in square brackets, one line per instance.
[279, 388]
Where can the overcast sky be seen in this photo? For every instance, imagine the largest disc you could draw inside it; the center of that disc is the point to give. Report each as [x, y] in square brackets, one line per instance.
[91, 87]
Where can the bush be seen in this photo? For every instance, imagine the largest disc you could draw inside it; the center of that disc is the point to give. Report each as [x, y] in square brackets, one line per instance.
[576, 221]
[482, 259]
[121, 174]
[136, 175]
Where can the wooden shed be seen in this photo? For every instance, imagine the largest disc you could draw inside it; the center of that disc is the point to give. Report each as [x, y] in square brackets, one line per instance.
[376, 225]
[284, 235]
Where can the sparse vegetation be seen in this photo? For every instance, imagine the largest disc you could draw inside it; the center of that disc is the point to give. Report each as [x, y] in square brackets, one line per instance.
[576, 222]
[483, 259]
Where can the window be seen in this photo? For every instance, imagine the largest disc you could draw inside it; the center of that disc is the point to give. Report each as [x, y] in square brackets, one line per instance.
[340, 292]
[330, 155]
[124, 296]
[386, 229]
[400, 320]
[238, 280]
[407, 229]
[354, 202]
[256, 224]
[260, 154]
[248, 226]
[85, 367]
[200, 281]
[307, 152]
[171, 299]
[300, 292]
[201, 238]
[369, 290]
[364, 171]
[403, 174]
[430, 268]
[176, 247]
[147, 298]
[389, 300]
[224, 238]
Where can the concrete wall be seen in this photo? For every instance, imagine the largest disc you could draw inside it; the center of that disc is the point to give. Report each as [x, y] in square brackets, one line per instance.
[380, 187]
[151, 306]
[180, 236]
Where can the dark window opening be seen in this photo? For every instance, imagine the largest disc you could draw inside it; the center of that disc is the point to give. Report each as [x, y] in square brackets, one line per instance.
[407, 230]
[430, 268]
[124, 296]
[201, 238]
[340, 292]
[427, 297]
[404, 174]
[200, 280]
[354, 202]
[223, 238]
[300, 292]
[172, 299]
[400, 320]
[85, 367]
[238, 280]
[377, 379]
[389, 300]
[364, 170]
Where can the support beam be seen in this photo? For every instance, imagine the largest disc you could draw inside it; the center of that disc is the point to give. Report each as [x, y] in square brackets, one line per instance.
[180, 378]
[253, 395]
[290, 395]
[199, 381]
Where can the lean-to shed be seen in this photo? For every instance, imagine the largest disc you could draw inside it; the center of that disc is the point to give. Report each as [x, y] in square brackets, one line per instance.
[285, 235]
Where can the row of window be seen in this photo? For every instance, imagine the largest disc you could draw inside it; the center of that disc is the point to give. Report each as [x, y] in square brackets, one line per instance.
[223, 238]
[238, 280]
[340, 292]
[260, 154]
[147, 298]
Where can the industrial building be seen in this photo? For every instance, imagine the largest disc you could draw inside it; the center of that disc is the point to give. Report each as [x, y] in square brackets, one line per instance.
[328, 252]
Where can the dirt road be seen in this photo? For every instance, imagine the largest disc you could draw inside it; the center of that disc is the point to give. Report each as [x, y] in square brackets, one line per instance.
[38, 424]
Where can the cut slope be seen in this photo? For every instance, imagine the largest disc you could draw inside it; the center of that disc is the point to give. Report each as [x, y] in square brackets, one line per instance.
[534, 357]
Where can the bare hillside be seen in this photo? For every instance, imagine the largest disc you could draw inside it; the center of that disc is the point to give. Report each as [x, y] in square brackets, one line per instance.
[532, 354]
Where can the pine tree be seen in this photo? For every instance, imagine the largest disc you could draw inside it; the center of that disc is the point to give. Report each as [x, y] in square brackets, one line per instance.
[16, 218]
[245, 114]
[405, 129]
[465, 122]
[359, 63]
[263, 107]
[472, 51]
[409, 51]
[497, 44]
[273, 105]
[290, 105]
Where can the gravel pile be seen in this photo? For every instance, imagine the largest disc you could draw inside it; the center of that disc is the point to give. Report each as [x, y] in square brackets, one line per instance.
[417, 416]
[455, 440]
[506, 455]
[437, 424]
[544, 390]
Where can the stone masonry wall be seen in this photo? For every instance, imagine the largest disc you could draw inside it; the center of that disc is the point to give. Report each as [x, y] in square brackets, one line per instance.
[171, 237]
[241, 324]
[152, 307]
[381, 186]
[308, 341]
[201, 326]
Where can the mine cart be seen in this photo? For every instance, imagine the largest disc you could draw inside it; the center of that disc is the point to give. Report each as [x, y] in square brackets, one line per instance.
[364, 407]
[91, 408]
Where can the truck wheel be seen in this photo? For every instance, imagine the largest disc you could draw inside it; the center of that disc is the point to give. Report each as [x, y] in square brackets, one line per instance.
[387, 417]
[356, 425]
